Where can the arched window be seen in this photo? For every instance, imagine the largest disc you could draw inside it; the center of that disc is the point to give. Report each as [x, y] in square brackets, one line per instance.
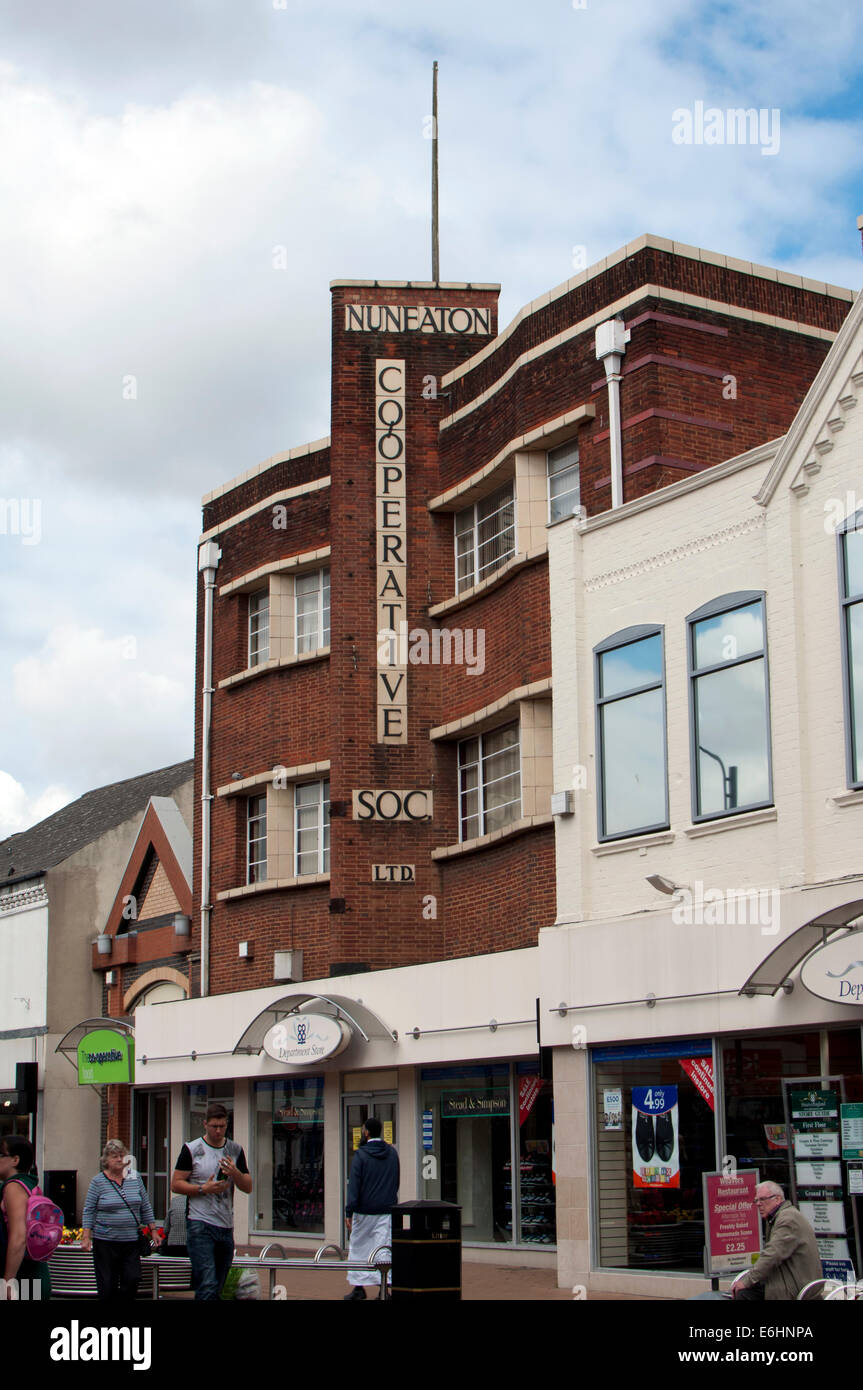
[630, 733]
[729, 706]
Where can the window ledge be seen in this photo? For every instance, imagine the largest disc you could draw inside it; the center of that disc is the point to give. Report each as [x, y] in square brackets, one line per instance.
[263, 779]
[507, 832]
[716, 827]
[852, 798]
[271, 885]
[518, 562]
[274, 664]
[489, 714]
[633, 842]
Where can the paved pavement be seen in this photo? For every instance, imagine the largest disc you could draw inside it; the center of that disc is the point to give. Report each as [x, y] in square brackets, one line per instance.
[480, 1282]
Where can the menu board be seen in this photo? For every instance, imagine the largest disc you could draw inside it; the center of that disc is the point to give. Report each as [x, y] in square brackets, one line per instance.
[732, 1226]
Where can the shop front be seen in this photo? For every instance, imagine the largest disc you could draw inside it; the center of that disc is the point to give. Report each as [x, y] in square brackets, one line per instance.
[665, 1113]
[444, 1055]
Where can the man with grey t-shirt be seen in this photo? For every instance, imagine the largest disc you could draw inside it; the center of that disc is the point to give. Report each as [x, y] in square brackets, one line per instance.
[206, 1173]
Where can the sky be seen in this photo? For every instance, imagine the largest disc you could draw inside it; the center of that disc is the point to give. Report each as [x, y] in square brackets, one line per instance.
[180, 180]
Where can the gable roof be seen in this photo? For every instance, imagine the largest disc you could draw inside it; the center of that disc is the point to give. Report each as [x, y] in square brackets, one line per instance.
[34, 851]
[837, 366]
[163, 834]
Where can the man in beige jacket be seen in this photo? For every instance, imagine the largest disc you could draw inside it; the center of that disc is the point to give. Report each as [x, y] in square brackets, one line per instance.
[790, 1259]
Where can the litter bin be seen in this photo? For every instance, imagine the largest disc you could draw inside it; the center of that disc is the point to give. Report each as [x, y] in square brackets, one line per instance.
[60, 1185]
[426, 1246]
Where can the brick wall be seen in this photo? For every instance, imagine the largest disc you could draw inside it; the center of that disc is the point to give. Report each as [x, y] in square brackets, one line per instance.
[676, 420]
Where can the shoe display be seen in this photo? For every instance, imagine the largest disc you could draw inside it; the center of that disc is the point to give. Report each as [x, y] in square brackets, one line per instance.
[664, 1136]
[644, 1137]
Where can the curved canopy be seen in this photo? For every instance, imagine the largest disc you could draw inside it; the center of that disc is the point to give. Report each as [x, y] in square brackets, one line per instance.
[360, 1019]
[68, 1045]
[773, 972]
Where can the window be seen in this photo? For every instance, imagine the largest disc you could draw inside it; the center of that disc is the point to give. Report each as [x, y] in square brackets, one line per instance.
[256, 839]
[564, 486]
[489, 776]
[484, 537]
[312, 600]
[851, 571]
[259, 627]
[630, 733]
[729, 710]
[312, 827]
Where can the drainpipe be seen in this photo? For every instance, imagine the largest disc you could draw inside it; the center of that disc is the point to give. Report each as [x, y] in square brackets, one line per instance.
[209, 556]
[611, 340]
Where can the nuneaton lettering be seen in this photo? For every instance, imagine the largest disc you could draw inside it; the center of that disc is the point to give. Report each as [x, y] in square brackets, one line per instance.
[417, 318]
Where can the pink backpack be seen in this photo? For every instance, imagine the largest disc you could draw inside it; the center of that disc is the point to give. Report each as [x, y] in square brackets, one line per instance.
[44, 1223]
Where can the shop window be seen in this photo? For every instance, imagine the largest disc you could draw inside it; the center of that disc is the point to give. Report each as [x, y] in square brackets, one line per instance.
[312, 827]
[474, 1120]
[312, 610]
[467, 1114]
[196, 1100]
[289, 1155]
[730, 716]
[630, 733]
[655, 1136]
[754, 1069]
[259, 627]
[256, 839]
[851, 572]
[534, 1216]
[484, 537]
[489, 771]
[564, 485]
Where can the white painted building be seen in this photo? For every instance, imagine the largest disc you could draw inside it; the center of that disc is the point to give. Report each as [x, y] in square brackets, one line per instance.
[708, 726]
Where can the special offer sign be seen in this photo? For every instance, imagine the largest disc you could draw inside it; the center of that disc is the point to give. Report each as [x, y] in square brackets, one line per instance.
[732, 1225]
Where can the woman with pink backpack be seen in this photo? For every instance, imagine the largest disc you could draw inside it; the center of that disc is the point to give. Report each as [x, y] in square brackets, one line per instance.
[18, 1228]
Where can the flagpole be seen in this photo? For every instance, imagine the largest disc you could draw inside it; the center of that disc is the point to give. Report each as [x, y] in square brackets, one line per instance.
[435, 224]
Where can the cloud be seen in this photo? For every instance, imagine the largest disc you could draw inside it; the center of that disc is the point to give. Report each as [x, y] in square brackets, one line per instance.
[19, 810]
[101, 712]
[157, 155]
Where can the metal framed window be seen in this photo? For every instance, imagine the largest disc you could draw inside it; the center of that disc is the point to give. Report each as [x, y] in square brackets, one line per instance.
[484, 537]
[630, 733]
[312, 828]
[850, 542]
[564, 481]
[312, 605]
[259, 627]
[489, 780]
[256, 839]
[729, 706]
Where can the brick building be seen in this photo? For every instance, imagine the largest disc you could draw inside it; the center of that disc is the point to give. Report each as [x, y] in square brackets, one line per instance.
[374, 843]
[56, 984]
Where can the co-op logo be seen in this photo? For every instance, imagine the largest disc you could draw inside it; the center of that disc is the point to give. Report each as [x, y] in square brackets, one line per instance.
[847, 990]
[829, 972]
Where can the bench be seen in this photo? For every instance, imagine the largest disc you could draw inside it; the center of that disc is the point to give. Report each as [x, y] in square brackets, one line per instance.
[73, 1275]
[380, 1260]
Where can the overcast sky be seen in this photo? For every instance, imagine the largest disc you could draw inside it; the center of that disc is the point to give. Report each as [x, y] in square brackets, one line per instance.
[154, 157]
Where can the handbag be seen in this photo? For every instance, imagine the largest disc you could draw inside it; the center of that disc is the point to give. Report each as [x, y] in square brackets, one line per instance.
[145, 1244]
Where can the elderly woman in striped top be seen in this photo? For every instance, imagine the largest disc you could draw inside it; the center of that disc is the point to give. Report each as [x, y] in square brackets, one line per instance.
[117, 1205]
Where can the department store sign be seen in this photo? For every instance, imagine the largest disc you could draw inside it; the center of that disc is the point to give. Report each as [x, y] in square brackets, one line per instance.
[305, 1038]
[835, 971]
[458, 320]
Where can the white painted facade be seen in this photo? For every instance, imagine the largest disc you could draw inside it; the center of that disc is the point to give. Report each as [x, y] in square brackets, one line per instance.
[763, 522]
